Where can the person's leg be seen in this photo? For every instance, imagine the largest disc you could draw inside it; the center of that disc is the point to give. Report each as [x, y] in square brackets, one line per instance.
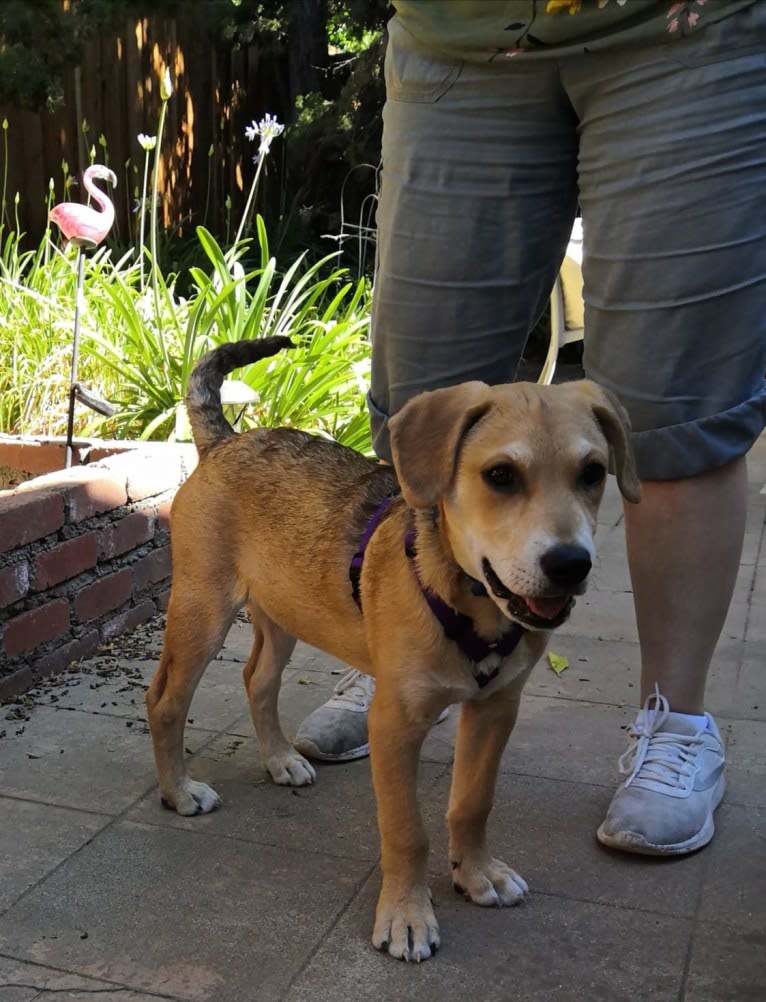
[478, 195]
[673, 194]
[684, 546]
[477, 200]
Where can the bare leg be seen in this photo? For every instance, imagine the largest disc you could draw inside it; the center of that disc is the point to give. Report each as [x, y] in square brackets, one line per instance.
[684, 547]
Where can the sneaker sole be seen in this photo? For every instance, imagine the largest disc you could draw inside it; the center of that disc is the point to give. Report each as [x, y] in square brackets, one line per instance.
[632, 842]
[311, 751]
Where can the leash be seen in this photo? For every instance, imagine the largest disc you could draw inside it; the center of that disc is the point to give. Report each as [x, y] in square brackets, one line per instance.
[457, 626]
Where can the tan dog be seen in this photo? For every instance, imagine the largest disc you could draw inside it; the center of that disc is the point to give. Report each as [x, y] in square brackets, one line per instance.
[501, 486]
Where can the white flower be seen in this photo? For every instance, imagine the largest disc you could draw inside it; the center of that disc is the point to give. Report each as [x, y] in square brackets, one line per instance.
[147, 142]
[267, 130]
[166, 85]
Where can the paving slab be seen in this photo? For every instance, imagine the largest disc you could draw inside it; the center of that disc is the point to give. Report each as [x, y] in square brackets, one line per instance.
[300, 819]
[546, 830]
[547, 948]
[20, 982]
[48, 835]
[192, 915]
[88, 761]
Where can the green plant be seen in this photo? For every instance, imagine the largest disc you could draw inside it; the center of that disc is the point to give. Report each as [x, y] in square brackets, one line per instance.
[140, 340]
[320, 386]
[37, 292]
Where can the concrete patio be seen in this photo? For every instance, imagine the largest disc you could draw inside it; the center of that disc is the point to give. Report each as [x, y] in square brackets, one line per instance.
[271, 898]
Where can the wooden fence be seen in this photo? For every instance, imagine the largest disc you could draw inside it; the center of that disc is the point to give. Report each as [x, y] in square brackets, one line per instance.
[113, 95]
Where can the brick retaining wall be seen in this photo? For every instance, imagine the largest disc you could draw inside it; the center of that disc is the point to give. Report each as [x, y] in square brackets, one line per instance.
[84, 556]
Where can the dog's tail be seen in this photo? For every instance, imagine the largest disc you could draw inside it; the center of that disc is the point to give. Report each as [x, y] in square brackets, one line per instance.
[203, 394]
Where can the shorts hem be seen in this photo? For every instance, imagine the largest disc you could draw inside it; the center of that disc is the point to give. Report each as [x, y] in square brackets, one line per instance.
[696, 447]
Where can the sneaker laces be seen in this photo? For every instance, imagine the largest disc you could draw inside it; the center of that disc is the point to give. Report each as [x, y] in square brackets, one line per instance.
[659, 756]
[355, 688]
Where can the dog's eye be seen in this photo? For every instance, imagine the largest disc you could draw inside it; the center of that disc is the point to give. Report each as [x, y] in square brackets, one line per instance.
[592, 475]
[503, 476]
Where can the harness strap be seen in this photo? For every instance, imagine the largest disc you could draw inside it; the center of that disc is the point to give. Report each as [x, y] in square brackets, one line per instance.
[355, 567]
[460, 629]
[456, 625]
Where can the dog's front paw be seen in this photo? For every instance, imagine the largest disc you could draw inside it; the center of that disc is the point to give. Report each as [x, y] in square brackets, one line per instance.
[290, 768]
[191, 798]
[406, 927]
[488, 882]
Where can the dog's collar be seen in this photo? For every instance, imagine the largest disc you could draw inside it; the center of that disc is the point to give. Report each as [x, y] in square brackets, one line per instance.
[460, 629]
[456, 625]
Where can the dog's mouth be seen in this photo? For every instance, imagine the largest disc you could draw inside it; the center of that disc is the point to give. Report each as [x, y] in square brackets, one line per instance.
[535, 611]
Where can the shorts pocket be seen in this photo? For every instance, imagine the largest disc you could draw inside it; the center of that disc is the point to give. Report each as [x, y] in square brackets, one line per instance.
[414, 73]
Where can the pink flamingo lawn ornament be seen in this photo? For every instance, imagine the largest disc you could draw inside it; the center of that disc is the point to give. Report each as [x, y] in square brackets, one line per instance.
[84, 227]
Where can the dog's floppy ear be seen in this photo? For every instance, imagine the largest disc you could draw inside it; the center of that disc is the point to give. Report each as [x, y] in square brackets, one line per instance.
[615, 424]
[426, 435]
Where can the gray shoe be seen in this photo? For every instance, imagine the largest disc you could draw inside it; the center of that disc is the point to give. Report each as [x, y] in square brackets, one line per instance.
[674, 781]
[337, 730]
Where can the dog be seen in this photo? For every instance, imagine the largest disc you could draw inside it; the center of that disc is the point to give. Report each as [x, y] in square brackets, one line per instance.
[442, 577]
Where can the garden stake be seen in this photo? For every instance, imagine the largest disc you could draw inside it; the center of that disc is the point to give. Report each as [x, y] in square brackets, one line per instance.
[85, 228]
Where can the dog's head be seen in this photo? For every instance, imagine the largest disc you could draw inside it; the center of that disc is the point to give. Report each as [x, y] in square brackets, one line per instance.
[517, 472]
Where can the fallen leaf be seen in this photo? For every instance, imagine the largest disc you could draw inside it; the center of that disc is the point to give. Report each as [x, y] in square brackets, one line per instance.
[557, 662]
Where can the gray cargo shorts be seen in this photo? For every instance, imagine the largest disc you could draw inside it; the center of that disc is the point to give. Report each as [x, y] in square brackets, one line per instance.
[663, 148]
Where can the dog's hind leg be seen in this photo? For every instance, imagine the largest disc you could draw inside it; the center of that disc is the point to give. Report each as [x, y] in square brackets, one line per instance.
[271, 651]
[194, 634]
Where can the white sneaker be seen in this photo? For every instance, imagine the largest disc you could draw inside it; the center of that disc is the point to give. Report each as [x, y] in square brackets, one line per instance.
[337, 730]
[674, 781]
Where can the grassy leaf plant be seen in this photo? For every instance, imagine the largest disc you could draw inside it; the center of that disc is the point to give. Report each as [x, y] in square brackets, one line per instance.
[140, 339]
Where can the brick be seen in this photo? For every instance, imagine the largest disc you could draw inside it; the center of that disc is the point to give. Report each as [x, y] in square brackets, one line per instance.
[163, 514]
[36, 627]
[109, 592]
[86, 490]
[32, 457]
[14, 583]
[128, 620]
[152, 568]
[26, 516]
[163, 600]
[17, 682]
[153, 476]
[106, 448]
[154, 469]
[127, 534]
[94, 496]
[60, 659]
[65, 560]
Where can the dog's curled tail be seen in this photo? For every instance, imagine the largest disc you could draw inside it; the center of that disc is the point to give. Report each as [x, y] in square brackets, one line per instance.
[203, 394]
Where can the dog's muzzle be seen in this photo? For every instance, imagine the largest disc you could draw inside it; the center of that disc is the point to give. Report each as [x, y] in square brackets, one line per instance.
[566, 565]
[535, 612]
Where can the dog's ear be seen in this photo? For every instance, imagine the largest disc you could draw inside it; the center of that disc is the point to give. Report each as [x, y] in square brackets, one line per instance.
[615, 424]
[426, 435]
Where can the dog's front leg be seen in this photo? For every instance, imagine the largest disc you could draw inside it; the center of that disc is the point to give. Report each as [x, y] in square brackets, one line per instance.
[482, 734]
[405, 924]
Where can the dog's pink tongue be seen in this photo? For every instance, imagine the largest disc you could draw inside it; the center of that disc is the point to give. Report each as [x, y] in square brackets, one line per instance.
[547, 608]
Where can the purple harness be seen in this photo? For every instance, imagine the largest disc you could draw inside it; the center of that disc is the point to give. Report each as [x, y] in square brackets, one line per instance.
[456, 625]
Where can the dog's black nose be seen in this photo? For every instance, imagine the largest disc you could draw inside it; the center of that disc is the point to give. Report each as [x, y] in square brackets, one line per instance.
[566, 565]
